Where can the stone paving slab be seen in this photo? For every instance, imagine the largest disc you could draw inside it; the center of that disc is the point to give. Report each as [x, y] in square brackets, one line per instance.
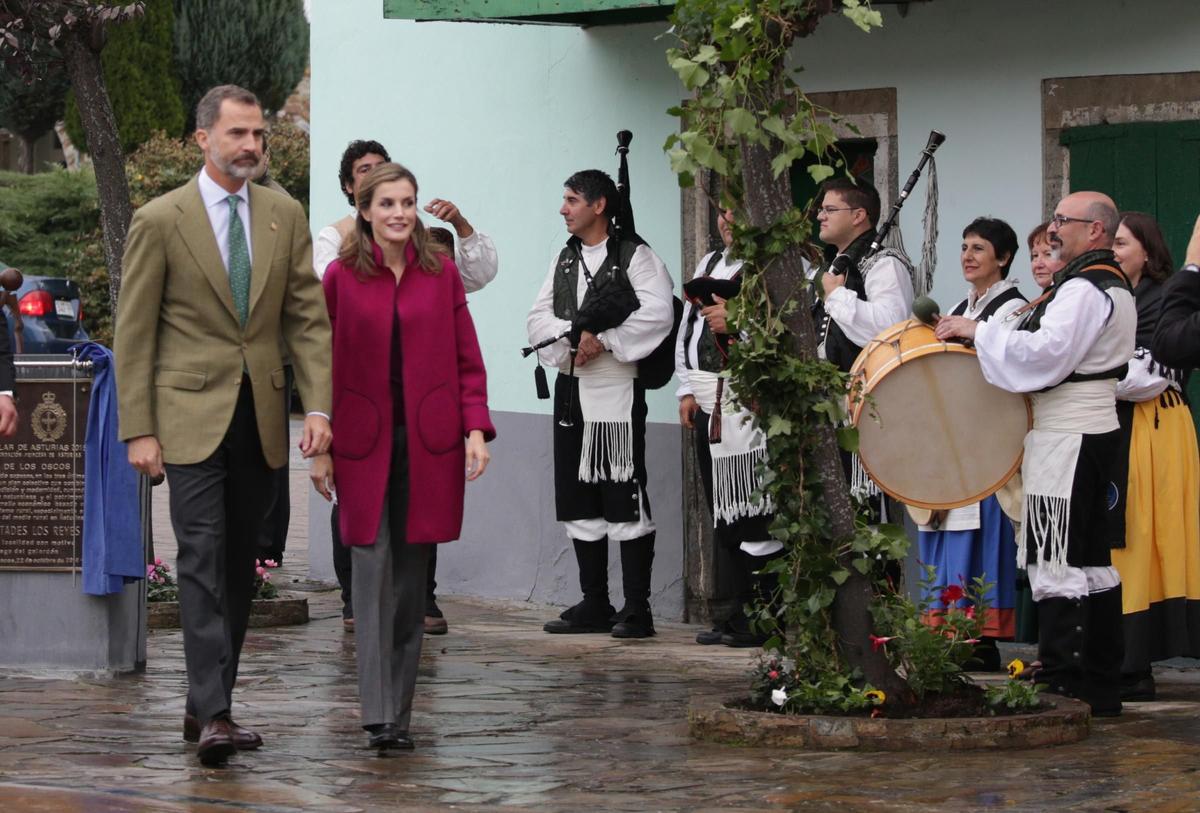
[508, 717]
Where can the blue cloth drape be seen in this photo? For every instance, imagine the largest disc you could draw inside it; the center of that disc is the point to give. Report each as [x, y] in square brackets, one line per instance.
[112, 531]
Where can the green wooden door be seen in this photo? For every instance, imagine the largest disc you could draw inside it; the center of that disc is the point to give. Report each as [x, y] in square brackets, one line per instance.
[1153, 167]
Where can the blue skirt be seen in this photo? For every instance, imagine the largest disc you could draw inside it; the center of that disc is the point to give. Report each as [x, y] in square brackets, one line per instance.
[990, 551]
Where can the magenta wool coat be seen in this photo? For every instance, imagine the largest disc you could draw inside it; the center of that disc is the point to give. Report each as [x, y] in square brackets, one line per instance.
[445, 395]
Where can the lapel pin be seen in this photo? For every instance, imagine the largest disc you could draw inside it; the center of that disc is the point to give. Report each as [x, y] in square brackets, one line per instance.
[274, 227]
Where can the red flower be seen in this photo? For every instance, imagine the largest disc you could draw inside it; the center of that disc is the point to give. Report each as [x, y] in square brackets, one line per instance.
[877, 641]
[773, 675]
[970, 613]
[951, 594]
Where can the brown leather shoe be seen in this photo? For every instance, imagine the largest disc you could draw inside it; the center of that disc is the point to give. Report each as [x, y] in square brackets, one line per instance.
[243, 738]
[216, 743]
[436, 626]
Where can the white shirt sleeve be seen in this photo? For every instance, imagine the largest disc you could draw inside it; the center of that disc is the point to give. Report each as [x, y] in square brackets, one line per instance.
[477, 262]
[325, 249]
[646, 327]
[681, 371]
[1142, 382]
[1028, 361]
[542, 324]
[889, 300]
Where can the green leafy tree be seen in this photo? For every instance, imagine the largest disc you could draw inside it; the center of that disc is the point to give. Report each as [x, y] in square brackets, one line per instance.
[29, 110]
[261, 45]
[139, 73]
[746, 123]
[34, 34]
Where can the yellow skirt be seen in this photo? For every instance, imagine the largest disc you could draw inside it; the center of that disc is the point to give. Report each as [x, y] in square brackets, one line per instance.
[1160, 563]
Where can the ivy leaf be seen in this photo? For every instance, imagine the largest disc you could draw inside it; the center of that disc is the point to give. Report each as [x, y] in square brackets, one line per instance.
[740, 120]
[864, 17]
[820, 172]
[775, 126]
[778, 425]
[706, 55]
[735, 49]
[741, 22]
[780, 164]
[690, 73]
[839, 576]
[847, 437]
[861, 565]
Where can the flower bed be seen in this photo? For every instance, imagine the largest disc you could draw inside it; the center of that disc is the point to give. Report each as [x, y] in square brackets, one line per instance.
[1061, 720]
[269, 609]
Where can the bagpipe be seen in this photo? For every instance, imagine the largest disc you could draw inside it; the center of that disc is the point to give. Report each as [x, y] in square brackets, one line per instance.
[611, 300]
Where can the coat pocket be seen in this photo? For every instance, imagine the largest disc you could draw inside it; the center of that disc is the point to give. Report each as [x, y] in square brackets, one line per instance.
[355, 425]
[439, 420]
[278, 379]
[181, 379]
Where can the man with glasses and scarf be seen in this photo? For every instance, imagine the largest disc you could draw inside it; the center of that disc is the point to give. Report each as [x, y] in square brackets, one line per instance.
[1069, 353]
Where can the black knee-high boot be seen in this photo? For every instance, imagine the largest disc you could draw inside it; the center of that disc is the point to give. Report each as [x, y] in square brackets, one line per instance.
[1104, 651]
[1062, 638]
[594, 613]
[761, 593]
[637, 560]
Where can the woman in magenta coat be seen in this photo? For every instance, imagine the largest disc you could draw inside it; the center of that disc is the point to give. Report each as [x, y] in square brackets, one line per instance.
[408, 387]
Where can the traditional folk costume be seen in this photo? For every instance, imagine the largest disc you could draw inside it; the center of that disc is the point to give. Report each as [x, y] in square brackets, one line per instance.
[877, 294]
[1069, 353]
[1159, 560]
[600, 426]
[977, 540]
[728, 458]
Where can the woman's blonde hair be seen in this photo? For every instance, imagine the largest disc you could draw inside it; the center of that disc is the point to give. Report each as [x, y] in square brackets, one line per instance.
[358, 249]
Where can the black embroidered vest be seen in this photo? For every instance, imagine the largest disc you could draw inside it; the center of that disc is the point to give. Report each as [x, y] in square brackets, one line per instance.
[1098, 267]
[614, 270]
[989, 310]
[708, 354]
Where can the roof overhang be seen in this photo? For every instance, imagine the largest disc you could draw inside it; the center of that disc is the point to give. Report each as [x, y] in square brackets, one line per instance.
[562, 12]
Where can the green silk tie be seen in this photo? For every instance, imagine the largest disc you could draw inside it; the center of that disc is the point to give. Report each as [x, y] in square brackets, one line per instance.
[239, 261]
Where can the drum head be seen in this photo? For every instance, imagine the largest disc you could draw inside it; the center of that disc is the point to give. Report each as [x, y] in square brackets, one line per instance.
[938, 435]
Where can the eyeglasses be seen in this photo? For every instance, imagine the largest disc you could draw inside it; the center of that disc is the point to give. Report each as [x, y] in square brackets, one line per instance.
[1062, 220]
[828, 210]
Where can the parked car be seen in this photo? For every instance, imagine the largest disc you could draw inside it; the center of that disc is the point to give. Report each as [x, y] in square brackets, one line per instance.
[51, 312]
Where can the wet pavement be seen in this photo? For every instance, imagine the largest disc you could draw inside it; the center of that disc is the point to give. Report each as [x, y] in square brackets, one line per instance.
[509, 717]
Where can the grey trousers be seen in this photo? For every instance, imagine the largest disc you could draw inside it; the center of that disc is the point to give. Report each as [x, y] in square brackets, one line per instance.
[388, 592]
[217, 511]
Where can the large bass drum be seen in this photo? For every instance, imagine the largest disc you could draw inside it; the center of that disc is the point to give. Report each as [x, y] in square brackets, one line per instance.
[932, 432]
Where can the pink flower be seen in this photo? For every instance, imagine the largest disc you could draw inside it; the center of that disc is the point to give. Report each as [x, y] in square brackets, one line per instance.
[259, 570]
[165, 568]
[157, 560]
[271, 563]
[266, 577]
[149, 570]
[971, 641]
[970, 613]
[877, 641]
[773, 675]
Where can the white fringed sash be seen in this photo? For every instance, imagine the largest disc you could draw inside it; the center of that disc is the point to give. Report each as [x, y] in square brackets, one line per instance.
[1060, 417]
[735, 460]
[606, 402]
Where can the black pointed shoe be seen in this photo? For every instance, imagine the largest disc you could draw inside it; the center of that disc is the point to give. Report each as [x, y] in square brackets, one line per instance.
[635, 623]
[581, 619]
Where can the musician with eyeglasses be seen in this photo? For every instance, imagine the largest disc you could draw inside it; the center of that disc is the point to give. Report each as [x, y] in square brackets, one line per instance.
[1069, 353]
[862, 293]
[606, 304]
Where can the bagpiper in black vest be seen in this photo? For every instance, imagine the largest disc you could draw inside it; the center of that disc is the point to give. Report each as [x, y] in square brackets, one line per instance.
[838, 348]
[1099, 267]
[708, 354]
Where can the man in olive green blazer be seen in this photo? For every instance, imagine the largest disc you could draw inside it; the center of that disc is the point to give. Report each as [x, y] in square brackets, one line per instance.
[216, 274]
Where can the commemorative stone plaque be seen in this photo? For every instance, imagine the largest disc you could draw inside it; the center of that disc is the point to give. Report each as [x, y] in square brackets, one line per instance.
[41, 477]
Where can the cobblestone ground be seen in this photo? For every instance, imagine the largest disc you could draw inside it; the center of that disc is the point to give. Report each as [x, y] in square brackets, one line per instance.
[510, 718]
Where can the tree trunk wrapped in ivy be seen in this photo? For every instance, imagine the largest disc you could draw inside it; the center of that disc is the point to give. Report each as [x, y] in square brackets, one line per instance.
[846, 636]
[140, 78]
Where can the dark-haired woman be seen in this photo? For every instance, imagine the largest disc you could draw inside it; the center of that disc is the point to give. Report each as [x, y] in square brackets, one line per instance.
[977, 540]
[408, 387]
[1160, 563]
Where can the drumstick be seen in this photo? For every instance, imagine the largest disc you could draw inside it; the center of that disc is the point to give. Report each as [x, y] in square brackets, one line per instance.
[926, 310]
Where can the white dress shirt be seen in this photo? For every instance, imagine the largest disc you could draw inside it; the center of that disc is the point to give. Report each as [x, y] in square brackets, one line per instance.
[1072, 337]
[976, 305]
[216, 204]
[889, 291]
[474, 255]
